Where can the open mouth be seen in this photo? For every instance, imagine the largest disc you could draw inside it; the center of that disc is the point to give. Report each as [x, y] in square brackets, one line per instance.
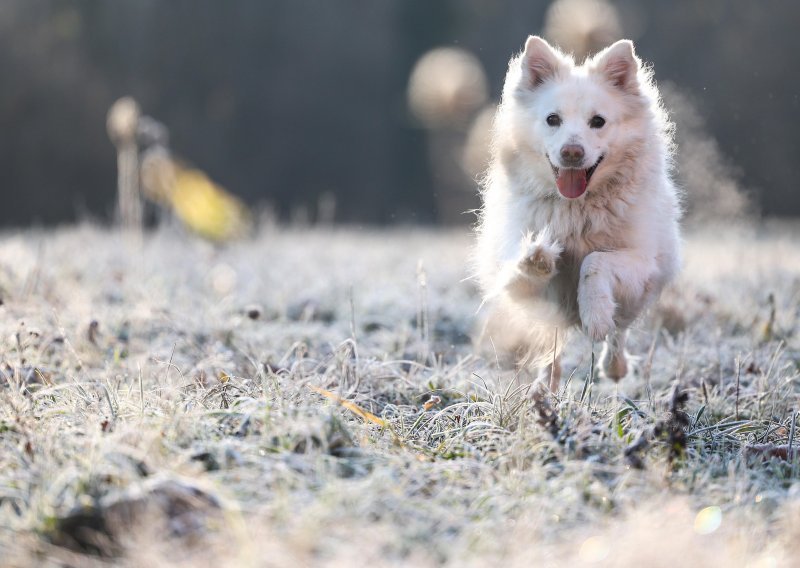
[572, 182]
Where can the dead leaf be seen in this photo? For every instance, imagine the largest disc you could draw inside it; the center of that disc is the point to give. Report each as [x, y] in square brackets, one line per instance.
[351, 406]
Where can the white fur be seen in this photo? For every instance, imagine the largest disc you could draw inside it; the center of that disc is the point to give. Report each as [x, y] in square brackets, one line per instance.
[613, 248]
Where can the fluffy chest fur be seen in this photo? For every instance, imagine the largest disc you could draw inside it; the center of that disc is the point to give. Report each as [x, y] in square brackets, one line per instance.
[595, 223]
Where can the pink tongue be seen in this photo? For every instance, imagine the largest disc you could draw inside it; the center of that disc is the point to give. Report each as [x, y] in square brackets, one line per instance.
[571, 183]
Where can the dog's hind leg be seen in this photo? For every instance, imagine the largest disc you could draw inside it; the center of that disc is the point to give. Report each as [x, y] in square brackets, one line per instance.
[613, 361]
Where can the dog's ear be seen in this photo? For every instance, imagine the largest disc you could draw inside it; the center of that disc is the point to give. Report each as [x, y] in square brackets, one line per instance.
[540, 62]
[619, 65]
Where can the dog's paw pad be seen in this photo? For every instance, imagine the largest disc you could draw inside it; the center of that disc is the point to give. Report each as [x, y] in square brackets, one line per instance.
[539, 262]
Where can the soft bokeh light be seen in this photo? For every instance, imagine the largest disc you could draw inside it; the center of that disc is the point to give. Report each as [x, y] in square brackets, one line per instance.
[594, 549]
[446, 87]
[582, 27]
[708, 520]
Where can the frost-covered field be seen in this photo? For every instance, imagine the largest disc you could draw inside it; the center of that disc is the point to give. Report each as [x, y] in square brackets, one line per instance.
[312, 397]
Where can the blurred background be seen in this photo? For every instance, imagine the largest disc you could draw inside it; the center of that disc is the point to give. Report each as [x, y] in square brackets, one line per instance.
[369, 112]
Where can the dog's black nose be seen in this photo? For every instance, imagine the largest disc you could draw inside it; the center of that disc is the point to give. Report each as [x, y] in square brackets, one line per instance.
[572, 154]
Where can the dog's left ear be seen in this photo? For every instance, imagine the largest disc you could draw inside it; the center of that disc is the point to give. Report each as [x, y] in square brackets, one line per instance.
[619, 65]
[540, 62]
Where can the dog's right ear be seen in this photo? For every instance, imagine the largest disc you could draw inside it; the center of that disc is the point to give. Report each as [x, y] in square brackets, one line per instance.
[540, 61]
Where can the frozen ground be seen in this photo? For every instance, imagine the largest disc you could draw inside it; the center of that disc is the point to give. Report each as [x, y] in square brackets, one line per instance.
[181, 404]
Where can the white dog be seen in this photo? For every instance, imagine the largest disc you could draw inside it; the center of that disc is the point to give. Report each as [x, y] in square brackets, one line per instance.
[579, 223]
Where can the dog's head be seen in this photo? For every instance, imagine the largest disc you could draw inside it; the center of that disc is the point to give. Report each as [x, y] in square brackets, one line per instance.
[580, 118]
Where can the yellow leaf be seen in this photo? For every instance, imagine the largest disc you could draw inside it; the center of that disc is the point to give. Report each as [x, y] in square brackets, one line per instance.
[351, 406]
[206, 208]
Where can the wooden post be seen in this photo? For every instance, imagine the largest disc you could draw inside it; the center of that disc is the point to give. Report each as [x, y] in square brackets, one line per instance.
[121, 123]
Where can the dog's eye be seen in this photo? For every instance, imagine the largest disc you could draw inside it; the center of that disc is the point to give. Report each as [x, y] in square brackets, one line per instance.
[597, 121]
[553, 120]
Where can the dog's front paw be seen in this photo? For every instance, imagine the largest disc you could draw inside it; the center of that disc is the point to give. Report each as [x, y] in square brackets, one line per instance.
[539, 256]
[596, 307]
[597, 325]
[597, 315]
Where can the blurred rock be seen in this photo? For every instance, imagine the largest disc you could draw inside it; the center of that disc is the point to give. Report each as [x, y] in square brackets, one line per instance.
[96, 526]
[253, 311]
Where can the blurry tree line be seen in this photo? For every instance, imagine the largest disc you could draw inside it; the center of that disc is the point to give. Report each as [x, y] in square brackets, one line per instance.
[289, 102]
